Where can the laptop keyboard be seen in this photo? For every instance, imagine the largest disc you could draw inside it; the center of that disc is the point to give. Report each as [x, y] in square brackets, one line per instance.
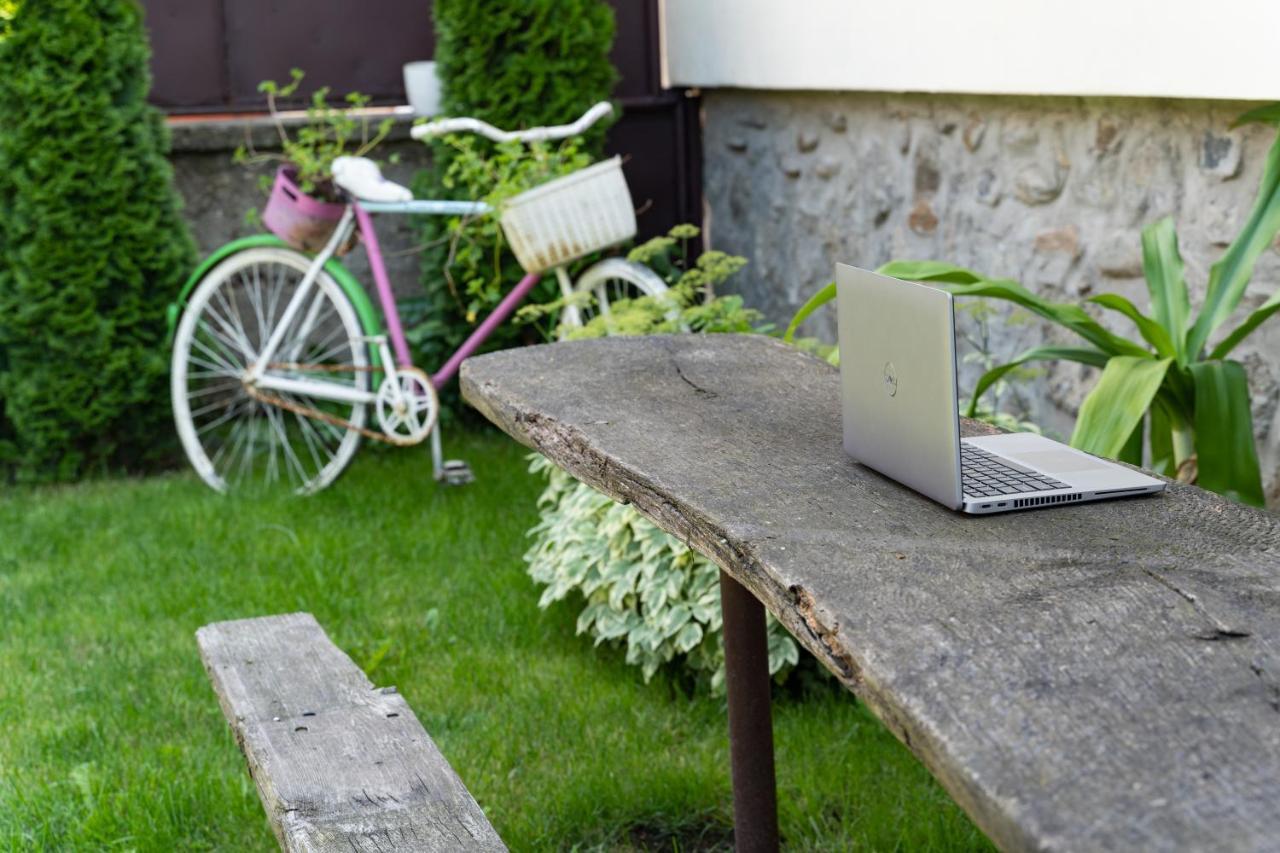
[985, 475]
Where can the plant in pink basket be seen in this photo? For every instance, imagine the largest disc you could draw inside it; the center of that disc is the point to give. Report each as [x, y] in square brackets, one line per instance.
[303, 206]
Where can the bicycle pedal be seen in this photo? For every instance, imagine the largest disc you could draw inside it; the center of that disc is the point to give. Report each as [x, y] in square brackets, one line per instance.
[455, 472]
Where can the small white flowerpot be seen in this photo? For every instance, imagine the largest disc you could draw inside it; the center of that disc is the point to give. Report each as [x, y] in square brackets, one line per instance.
[422, 86]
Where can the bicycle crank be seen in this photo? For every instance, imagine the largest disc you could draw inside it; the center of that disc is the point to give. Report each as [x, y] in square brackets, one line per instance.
[407, 406]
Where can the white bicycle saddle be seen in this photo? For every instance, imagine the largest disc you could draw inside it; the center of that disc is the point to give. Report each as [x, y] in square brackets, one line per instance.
[362, 178]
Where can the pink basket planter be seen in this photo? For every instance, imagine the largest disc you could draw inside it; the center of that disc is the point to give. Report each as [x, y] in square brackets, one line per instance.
[298, 219]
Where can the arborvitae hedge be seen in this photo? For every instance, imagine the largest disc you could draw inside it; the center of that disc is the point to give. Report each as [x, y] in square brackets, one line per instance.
[522, 63]
[91, 244]
[514, 64]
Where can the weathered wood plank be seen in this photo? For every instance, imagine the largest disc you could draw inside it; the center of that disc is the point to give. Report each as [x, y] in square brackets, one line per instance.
[1100, 676]
[340, 765]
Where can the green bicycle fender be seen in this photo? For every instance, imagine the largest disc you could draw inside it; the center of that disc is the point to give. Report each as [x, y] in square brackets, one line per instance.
[350, 286]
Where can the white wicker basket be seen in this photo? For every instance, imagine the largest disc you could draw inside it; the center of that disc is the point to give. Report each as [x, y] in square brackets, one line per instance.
[570, 217]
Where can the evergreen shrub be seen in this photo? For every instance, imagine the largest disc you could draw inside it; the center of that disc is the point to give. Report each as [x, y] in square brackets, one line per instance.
[92, 248]
[514, 64]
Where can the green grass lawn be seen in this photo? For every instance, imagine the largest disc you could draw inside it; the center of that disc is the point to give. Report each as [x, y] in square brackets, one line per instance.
[110, 736]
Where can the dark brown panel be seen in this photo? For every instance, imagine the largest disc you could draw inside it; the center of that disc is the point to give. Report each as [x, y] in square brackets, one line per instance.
[339, 43]
[658, 133]
[661, 160]
[188, 61]
[635, 48]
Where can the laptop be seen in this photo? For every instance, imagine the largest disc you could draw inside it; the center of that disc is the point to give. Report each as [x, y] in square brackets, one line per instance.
[901, 415]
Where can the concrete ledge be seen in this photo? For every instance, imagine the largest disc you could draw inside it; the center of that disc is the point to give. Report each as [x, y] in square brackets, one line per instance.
[226, 132]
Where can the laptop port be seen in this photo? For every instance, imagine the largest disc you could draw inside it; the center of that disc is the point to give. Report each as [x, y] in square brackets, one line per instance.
[1003, 503]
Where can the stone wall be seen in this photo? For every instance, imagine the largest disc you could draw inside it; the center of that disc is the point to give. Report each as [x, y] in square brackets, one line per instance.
[1052, 192]
[218, 193]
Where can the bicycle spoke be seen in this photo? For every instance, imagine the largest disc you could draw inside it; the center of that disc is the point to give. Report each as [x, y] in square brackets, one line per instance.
[218, 357]
[277, 422]
[334, 430]
[226, 445]
[222, 383]
[309, 437]
[311, 424]
[211, 369]
[228, 346]
[272, 470]
[238, 320]
[226, 416]
[214, 312]
[236, 444]
[234, 327]
[292, 349]
[252, 453]
[244, 466]
[307, 323]
[208, 407]
[304, 421]
[211, 373]
[337, 338]
[255, 301]
[329, 353]
[274, 301]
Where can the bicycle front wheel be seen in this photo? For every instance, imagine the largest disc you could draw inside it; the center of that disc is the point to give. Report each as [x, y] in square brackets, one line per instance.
[612, 280]
[237, 438]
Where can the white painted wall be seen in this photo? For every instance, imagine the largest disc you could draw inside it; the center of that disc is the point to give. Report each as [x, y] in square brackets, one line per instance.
[1161, 48]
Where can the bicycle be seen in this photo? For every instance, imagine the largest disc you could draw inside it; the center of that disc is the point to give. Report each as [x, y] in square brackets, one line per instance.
[276, 349]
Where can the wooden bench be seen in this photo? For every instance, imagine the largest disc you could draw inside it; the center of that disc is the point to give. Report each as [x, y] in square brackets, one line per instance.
[340, 765]
[1100, 676]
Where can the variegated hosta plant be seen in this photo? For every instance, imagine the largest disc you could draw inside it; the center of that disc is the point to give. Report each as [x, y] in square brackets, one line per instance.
[642, 587]
[1177, 377]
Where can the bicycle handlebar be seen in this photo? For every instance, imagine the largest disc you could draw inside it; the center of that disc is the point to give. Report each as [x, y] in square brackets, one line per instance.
[533, 134]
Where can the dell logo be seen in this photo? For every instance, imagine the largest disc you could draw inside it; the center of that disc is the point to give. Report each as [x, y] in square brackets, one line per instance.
[890, 379]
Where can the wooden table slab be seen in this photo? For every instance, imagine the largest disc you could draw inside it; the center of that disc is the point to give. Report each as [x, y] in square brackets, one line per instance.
[1101, 676]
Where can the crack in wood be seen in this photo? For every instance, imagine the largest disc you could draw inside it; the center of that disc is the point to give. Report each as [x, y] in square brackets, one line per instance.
[824, 635]
[675, 362]
[1218, 635]
[1218, 630]
[1271, 690]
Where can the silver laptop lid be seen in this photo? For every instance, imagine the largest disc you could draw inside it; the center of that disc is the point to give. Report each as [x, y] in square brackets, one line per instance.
[898, 381]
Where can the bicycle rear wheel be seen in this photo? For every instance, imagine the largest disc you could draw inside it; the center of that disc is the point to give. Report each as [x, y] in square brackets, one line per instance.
[238, 438]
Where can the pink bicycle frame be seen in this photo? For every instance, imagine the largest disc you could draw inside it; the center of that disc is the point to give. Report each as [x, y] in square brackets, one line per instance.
[386, 297]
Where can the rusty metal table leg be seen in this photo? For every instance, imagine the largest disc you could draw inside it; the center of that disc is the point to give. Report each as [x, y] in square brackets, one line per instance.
[746, 664]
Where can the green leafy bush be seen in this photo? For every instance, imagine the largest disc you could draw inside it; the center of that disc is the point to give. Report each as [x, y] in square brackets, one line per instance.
[8, 8]
[644, 588]
[689, 305]
[514, 64]
[92, 248]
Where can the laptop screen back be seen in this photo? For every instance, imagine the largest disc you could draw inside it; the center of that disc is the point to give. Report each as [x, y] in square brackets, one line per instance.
[898, 381]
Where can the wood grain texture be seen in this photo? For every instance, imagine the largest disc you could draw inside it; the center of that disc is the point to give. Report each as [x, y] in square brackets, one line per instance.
[340, 765]
[1094, 677]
